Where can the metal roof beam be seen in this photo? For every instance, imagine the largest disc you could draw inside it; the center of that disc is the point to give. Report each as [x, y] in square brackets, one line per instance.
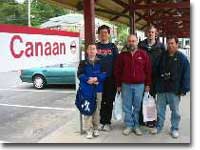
[185, 4]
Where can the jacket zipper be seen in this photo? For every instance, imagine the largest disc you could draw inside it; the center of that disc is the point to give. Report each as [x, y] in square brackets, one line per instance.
[132, 68]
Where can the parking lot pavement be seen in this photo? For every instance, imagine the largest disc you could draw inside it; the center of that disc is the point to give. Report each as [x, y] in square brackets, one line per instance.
[27, 114]
[49, 116]
[28, 118]
[70, 132]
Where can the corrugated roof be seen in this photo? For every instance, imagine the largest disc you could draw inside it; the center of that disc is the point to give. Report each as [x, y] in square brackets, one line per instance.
[171, 16]
[73, 19]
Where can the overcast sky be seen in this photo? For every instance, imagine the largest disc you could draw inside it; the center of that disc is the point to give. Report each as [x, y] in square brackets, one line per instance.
[20, 1]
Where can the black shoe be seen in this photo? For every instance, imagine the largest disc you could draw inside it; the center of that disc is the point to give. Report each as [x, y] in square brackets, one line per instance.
[151, 124]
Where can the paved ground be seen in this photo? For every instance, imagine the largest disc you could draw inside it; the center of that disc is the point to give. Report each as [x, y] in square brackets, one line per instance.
[69, 133]
[28, 115]
[49, 116]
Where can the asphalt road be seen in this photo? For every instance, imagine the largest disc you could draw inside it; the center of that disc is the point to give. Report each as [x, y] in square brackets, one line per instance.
[27, 114]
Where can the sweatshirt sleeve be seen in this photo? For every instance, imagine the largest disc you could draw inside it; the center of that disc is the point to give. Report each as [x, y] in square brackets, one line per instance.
[148, 70]
[102, 76]
[80, 72]
[185, 76]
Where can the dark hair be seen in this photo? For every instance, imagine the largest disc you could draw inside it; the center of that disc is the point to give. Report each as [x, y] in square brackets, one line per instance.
[104, 27]
[149, 28]
[172, 37]
[91, 44]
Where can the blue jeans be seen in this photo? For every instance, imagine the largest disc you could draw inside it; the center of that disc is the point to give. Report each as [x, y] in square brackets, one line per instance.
[132, 95]
[173, 100]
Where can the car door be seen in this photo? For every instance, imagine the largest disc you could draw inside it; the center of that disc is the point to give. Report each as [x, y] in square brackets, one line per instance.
[68, 74]
[61, 74]
[54, 74]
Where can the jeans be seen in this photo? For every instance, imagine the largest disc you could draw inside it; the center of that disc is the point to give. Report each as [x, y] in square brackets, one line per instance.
[173, 100]
[132, 95]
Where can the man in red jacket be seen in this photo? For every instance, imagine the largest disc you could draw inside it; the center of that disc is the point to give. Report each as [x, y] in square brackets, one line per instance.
[133, 75]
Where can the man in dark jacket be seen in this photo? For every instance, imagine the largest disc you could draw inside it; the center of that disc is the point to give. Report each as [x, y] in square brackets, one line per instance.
[133, 75]
[173, 81]
[107, 53]
[154, 49]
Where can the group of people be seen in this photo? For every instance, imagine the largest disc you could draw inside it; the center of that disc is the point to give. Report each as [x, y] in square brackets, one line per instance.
[141, 66]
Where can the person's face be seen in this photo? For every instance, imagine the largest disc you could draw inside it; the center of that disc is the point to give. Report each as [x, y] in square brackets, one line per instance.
[104, 35]
[172, 46]
[132, 42]
[91, 50]
[151, 34]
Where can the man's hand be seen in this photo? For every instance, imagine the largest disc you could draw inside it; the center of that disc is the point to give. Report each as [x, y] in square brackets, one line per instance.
[147, 88]
[119, 89]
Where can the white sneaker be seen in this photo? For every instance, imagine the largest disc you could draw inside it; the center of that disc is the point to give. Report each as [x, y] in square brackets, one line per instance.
[101, 126]
[96, 133]
[175, 134]
[127, 131]
[107, 128]
[89, 134]
[154, 131]
[138, 131]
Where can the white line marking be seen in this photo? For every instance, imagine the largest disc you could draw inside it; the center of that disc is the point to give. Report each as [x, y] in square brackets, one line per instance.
[4, 142]
[37, 107]
[38, 91]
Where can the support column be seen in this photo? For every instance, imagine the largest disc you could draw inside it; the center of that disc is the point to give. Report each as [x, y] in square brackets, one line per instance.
[89, 20]
[132, 17]
[89, 28]
[149, 15]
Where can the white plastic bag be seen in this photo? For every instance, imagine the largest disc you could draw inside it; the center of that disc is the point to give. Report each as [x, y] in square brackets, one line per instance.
[117, 108]
[149, 108]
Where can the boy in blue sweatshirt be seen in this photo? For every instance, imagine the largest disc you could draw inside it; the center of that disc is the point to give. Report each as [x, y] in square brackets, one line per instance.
[91, 74]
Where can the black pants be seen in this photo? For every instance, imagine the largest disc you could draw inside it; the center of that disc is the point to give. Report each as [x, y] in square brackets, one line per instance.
[108, 97]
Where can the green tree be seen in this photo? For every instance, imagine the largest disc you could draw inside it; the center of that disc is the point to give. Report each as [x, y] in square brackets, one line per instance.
[12, 12]
[42, 11]
[122, 32]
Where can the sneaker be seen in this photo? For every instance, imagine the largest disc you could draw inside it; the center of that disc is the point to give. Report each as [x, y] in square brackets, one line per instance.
[96, 133]
[107, 128]
[127, 131]
[138, 131]
[175, 134]
[154, 131]
[89, 134]
[101, 126]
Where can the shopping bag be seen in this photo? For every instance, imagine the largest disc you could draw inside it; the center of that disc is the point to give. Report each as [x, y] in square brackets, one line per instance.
[117, 108]
[149, 108]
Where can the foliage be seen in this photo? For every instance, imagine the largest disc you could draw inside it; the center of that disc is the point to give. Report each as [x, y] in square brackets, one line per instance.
[12, 12]
[122, 32]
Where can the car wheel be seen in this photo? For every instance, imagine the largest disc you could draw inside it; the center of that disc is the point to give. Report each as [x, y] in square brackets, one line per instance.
[38, 81]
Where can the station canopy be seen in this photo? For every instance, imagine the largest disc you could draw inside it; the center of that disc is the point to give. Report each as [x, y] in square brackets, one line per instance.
[169, 16]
